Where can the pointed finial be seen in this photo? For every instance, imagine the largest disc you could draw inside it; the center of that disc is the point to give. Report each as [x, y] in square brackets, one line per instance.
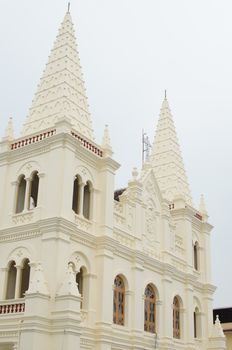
[9, 133]
[165, 94]
[202, 207]
[38, 283]
[106, 142]
[218, 331]
[135, 174]
[69, 285]
[68, 7]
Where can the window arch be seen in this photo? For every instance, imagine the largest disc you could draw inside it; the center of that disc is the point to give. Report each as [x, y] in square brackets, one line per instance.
[80, 284]
[176, 318]
[195, 256]
[87, 200]
[11, 281]
[21, 194]
[150, 309]
[119, 301]
[76, 195]
[25, 277]
[197, 323]
[34, 189]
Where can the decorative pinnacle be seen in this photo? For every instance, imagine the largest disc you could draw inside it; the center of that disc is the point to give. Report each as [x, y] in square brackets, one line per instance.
[165, 94]
[9, 133]
[68, 7]
[106, 142]
[202, 207]
[38, 283]
[135, 174]
[69, 285]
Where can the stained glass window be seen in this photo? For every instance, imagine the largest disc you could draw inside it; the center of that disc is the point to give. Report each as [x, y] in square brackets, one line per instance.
[176, 318]
[119, 301]
[149, 309]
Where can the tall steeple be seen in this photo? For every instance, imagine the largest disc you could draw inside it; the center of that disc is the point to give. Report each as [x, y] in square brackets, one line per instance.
[167, 160]
[61, 92]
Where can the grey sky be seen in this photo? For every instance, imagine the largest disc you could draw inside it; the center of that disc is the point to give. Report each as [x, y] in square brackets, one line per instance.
[131, 50]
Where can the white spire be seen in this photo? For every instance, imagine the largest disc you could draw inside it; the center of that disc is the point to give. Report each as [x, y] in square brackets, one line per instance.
[69, 286]
[166, 158]
[9, 133]
[38, 283]
[106, 146]
[61, 92]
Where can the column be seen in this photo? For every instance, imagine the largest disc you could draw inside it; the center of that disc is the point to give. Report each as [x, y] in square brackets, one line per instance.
[92, 191]
[40, 189]
[14, 197]
[89, 302]
[166, 329]
[81, 198]
[158, 317]
[18, 281]
[26, 201]
[3, 286]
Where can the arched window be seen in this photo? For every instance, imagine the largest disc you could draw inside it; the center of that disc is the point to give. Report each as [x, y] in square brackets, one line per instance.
[176, 318]
[119, 301]
[87, 201]
[21, 194]
[195, 256]
[149, 309]
[76, 194]
[11, 281]
[34, 190]
[197, 323]
[25, 278]
[79, 281]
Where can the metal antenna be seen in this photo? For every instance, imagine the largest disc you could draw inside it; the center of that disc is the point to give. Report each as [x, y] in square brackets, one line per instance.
[68, 7]
[165, 94]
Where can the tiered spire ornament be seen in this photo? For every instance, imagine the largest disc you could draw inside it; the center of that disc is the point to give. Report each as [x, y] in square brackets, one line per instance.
[38, 283]
[166, 158]
[61, 92]
[106, 146]
[69, 285]
[217, 329]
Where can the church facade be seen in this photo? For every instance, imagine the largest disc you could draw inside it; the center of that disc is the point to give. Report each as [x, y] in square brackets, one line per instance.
[83, 266]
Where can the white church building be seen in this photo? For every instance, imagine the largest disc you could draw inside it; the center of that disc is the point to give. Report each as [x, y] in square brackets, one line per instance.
[86, 266]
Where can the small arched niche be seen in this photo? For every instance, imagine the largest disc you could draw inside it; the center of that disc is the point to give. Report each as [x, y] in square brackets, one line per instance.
[25, 277]
[20, 202]
[34, 190]
[11, 280]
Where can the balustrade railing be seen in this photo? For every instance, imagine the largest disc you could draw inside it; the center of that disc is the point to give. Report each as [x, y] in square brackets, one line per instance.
[12, 308]
[32, 139]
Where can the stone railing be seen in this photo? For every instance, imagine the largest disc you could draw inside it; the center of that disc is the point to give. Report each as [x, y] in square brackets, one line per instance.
[32, 139]
[87, 144]
[12, 307]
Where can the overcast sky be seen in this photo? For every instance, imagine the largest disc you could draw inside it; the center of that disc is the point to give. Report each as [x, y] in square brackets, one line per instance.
[130, 51]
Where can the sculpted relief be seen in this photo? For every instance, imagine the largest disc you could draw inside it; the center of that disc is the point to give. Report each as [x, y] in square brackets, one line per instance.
[151, 219]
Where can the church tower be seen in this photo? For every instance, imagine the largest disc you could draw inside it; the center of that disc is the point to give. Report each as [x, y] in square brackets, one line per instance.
[83, 266]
